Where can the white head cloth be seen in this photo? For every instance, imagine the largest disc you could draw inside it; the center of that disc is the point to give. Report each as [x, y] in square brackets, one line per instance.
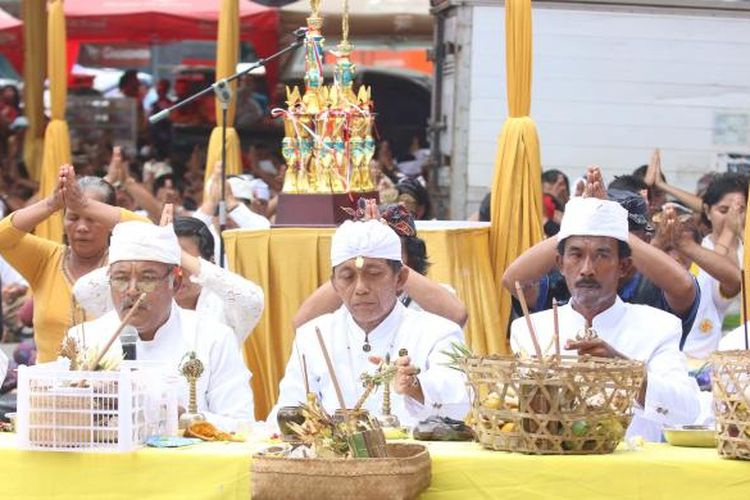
[364, 239]
[594, 217]
[136, 240]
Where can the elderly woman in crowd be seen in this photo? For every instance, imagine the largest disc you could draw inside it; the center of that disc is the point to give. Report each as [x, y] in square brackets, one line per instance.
[51, 268]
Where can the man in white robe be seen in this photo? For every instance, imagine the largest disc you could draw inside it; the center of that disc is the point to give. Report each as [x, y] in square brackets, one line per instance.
[368, 276]
[593, 255]
[144, 259]
[211, 291]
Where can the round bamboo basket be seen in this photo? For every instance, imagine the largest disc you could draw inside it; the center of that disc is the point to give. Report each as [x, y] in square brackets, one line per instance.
[565, 406]
[404, 474]
[730, 380]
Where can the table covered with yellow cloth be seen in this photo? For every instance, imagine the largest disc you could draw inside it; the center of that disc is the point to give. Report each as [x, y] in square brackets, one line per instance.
[291, 263]
[203, 471]
[462, 471]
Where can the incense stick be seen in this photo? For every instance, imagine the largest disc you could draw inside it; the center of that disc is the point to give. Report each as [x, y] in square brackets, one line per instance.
[744, 304]
[529, 325]
[112, 339]
[303, 366]
[331, 372]
[304, 369]
[556, 327]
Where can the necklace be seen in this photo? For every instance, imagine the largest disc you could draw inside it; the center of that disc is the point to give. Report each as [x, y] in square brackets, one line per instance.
[68, 273]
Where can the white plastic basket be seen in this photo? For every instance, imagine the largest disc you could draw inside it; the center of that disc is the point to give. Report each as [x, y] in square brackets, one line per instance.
[116, 411]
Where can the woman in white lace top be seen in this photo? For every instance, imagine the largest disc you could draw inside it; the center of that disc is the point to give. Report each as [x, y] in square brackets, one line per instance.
[207, 288]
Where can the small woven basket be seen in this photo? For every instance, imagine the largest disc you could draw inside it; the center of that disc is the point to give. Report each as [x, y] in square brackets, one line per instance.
[730, 380]
[566, 406]
[404, 474]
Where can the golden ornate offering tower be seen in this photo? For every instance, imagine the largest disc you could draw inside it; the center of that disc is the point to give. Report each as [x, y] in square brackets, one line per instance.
[328, 142]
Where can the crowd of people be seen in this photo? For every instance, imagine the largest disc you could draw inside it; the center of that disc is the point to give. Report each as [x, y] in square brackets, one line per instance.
[653, 270]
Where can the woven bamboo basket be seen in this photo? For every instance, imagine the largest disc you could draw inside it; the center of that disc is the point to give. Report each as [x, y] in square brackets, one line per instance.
[403, 475]
[570, 406]
[730, 380]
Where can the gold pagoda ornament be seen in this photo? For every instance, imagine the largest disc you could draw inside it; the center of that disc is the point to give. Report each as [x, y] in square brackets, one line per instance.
[328, 143]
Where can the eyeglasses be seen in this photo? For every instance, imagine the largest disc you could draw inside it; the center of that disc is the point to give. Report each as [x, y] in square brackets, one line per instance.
[142, 285]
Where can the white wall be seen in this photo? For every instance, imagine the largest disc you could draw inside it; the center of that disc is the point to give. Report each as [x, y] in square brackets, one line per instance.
[608, 87]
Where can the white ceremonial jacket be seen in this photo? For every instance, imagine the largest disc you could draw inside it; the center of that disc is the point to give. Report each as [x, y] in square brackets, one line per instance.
[423, 334]
[223, 391]
[638, 332]
[225, 297]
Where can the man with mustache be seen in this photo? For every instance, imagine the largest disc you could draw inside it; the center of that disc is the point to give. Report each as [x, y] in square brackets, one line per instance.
[144, 259]
[655, 279]
[368, 276]
[593, 254]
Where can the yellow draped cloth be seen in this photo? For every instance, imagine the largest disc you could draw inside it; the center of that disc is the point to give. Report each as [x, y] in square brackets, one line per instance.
[227, 54]
[516, 200]
[291, 263]
[57, 136]
[745, 264]
[34, 58]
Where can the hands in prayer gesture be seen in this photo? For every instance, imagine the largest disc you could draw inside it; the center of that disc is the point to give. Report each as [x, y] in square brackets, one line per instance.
[594, 187]
[68, 191]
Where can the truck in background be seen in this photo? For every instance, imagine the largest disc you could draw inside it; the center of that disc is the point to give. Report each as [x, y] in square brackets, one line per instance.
[611, 81]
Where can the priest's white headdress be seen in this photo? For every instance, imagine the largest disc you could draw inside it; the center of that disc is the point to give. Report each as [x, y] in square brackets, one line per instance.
[594, 217]
[136, 240]
[364, 239]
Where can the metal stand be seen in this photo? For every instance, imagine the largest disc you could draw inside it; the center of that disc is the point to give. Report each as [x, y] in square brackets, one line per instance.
[224, 94]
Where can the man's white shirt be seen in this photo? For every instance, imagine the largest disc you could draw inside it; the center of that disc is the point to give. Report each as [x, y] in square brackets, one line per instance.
[223, 390]
[638, 332]
[424, 335]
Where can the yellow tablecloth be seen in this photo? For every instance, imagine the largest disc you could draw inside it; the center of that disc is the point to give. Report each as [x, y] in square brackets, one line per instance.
[290, 263]
[462, 471]
[465, 471]
[204, 471]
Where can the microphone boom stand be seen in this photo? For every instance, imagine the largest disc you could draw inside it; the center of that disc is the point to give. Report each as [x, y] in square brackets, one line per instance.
[223, 93]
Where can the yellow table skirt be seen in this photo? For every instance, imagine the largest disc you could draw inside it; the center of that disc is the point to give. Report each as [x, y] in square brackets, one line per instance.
[465, 471]
[291, 263]
[462, 471]
[203, 471]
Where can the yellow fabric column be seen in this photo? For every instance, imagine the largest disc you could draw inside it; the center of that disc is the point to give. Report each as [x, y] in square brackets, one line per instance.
[34, 58]
[746, 264]
[516, 205]
[227, 54]
[57, 136]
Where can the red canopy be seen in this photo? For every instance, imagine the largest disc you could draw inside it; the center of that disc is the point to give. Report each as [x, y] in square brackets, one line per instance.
[162, 21]
[150, 21]
[11, 39]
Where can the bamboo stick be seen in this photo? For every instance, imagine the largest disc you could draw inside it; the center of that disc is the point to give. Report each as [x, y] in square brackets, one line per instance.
[556, 327]
[530, 326]
[112, 339]
[331, 371]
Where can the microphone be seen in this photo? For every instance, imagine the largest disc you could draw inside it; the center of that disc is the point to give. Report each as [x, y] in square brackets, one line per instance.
[128, 339]
[157, 117]
[300, 32]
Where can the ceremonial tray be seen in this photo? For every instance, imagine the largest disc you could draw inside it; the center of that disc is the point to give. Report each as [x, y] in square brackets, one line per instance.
[697, 436]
